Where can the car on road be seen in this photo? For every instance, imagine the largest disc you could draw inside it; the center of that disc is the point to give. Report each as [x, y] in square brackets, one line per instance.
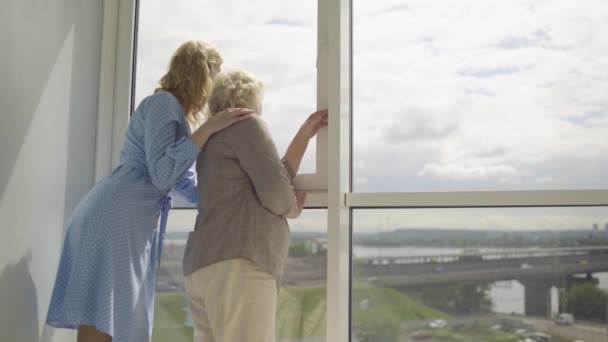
[439, 269]
[564, 319]
[438, 323]
[496, 327]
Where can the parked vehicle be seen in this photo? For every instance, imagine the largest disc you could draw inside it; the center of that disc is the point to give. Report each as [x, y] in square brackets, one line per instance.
[564, 319]
[438, 324]
[439, 269]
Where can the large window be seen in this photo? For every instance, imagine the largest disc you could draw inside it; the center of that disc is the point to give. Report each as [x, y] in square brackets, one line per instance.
[465, 179]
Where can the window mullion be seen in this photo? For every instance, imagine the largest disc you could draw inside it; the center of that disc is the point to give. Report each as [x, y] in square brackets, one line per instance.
[334, 36]
[123, 76]
[105, 106]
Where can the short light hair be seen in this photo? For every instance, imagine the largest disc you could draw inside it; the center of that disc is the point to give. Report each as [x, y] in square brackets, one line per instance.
[236, 88]
[190, 75]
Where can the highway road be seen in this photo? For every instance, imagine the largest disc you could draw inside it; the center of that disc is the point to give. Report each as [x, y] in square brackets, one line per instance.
[587, 332]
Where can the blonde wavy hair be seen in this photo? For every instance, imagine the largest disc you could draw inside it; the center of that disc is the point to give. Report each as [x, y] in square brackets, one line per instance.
[190, 76]
[236, 88]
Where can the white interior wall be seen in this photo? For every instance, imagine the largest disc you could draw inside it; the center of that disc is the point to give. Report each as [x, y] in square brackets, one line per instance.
[49, 73]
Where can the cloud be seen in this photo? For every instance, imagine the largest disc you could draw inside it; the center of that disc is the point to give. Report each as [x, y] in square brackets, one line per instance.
[490, 72]
[284, 22]
[478, 91]
[511, 43]
[470, 171]
[419, 128]
[392, 9]
[536, 38]
[590, 119]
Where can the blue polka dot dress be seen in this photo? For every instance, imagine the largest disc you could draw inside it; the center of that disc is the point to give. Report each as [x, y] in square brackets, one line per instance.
[107, 269]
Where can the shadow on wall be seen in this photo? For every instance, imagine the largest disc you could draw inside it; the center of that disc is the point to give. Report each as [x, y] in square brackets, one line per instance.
[19, 317]
[82, 124]
[30, 62]
[33, 34]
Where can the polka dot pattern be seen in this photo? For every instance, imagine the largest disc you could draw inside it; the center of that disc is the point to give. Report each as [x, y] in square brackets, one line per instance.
[107, 269]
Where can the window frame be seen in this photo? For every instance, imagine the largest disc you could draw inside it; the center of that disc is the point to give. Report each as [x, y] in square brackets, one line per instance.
[331, 186]
[115, 82]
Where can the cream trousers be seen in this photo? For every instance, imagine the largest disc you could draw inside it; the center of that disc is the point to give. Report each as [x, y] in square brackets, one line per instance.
[232, 301]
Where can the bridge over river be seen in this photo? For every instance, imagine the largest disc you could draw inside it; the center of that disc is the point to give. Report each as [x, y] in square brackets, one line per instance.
[538, 269]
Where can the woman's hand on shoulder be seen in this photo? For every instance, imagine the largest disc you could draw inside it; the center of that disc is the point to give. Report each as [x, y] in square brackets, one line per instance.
[226, 118]
[218, 122]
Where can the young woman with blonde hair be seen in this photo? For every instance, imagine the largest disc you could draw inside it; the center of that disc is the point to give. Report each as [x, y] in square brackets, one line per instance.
[105, 282]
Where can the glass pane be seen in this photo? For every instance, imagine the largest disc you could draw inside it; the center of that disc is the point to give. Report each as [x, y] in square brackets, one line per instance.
[480, 95]
[172, 320]
[301, 310]
[274, 40]
[508, 274]
[301, 306]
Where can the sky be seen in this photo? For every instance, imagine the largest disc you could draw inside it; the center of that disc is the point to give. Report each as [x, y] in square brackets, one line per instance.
[447, 96]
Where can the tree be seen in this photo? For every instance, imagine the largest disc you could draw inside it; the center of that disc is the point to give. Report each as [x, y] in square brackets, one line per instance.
[298, 249]
[376, 327]
[587, 301]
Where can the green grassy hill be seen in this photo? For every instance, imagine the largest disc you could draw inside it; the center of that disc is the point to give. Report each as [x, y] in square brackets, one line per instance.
[301, 312]
[170, 318]
[392, 303]
[378, 313]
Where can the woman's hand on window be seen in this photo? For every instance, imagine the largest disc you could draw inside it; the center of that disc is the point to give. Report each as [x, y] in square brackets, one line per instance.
[298, 145]
[313, 124]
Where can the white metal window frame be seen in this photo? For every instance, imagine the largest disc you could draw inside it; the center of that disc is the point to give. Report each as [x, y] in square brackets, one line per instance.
[330, 187]
[114, 83]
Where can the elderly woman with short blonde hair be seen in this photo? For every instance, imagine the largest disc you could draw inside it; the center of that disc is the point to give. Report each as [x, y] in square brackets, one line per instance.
[236, 254]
